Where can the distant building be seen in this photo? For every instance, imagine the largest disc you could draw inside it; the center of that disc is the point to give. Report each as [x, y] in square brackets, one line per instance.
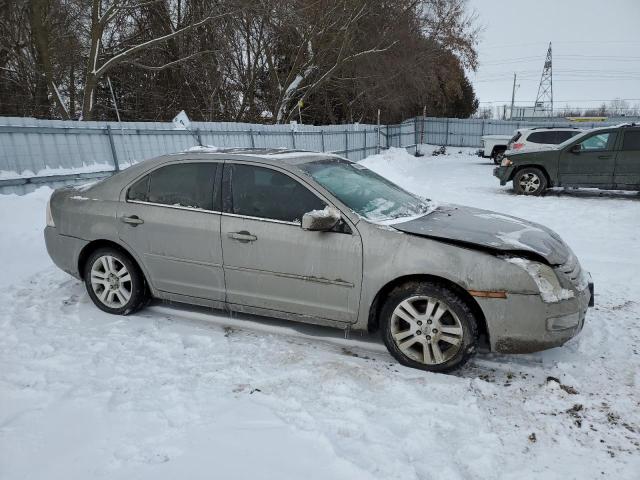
[522, 113]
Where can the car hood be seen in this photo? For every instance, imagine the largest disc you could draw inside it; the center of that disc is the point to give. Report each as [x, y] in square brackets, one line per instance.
[488, 230]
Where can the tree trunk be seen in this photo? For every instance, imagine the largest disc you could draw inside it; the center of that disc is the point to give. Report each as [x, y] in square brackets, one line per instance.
[88, 99]
[44, 69]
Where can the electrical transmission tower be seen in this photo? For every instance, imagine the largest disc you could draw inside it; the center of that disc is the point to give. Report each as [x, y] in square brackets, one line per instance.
[544, 100]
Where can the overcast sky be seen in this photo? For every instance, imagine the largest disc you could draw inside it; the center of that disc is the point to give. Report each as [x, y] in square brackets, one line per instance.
[596, 50]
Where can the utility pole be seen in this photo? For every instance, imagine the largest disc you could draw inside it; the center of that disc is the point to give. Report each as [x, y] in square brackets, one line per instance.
[513, 96]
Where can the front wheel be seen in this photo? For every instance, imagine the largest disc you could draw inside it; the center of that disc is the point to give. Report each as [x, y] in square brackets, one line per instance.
[429, 327]
[529, 181]
[114, 282]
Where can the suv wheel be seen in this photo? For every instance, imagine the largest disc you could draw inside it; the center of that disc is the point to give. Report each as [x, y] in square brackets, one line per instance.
[529, 181]
[114, 282]
[429, 327]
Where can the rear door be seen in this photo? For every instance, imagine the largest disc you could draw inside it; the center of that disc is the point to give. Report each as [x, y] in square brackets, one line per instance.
[171, 219]
[273, 264]
[627, 171]
[593, 164]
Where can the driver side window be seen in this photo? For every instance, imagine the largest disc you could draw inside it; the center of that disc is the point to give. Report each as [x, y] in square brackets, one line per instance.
[265, 193]
[596, 142]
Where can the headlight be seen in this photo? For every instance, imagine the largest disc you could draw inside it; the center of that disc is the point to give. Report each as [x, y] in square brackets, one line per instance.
[506, 162]
[50, 222]
[545, 279]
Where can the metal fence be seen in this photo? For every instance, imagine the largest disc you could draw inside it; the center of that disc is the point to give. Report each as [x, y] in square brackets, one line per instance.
[56, 152]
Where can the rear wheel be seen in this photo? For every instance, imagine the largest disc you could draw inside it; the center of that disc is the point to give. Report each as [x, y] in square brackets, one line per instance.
[114, 282]
[529, 181]
[429, 327]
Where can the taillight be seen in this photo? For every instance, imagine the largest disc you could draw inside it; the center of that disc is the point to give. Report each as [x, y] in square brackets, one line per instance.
[518, 146]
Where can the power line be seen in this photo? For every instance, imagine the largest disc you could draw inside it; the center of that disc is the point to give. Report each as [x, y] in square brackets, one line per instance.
[578, 57]
[582, 42]
[575, 100]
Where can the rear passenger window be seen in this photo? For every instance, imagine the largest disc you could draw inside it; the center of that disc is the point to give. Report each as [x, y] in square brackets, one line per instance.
[181, 185]
[266, 193]
[631, 140]
[139, 190]
[541, 137]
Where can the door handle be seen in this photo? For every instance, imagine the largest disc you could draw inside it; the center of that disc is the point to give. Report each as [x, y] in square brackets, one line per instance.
[243, 236]
[604, 157]
[132, 220]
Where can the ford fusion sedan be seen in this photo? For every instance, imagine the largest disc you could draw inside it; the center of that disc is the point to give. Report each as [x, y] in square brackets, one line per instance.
[316, 238]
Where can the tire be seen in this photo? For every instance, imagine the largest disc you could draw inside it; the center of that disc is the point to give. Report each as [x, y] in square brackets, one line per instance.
[530, 181]
[114, 282]
[413, 306]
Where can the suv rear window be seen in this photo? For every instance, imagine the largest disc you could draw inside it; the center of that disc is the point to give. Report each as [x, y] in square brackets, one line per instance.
[552, 137]
[542, 137]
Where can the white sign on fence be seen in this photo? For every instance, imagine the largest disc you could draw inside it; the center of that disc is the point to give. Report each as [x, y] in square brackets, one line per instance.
[181, 121]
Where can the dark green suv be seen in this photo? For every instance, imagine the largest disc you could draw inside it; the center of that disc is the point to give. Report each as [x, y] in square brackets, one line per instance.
[607, 158]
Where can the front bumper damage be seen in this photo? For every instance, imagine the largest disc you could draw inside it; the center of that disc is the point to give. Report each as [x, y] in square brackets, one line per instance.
[524, 323]
[503, 173]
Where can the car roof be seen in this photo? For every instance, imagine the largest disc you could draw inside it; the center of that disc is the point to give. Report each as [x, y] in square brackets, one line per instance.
[537, 129]
[289, 159]
[274, 156]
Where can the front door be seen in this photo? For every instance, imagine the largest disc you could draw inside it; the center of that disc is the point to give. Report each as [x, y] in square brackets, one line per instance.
[270, 262]
[171, 220]
[591, 163]
[627, 172]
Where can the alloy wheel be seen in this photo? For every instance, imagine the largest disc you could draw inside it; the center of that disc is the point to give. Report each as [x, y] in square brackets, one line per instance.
[426, 330]
[111, 281]
[529, 182]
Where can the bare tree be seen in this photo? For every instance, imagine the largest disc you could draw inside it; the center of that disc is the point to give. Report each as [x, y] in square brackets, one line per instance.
[324, 38]
[104, 19]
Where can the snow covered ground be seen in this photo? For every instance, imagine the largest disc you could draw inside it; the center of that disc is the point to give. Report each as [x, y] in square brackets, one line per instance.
[176, 392]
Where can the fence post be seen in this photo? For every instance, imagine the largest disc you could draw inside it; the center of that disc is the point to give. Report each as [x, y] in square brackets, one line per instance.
[114, 154]
[199, 136]
[378, 139]
[253, 142]
[446, 138]
[346, 142]
[322, 139]
[293, 137]
[364, 142]
[415, 132]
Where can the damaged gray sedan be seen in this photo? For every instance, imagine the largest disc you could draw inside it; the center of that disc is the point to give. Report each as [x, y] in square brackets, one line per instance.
[316, 238]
